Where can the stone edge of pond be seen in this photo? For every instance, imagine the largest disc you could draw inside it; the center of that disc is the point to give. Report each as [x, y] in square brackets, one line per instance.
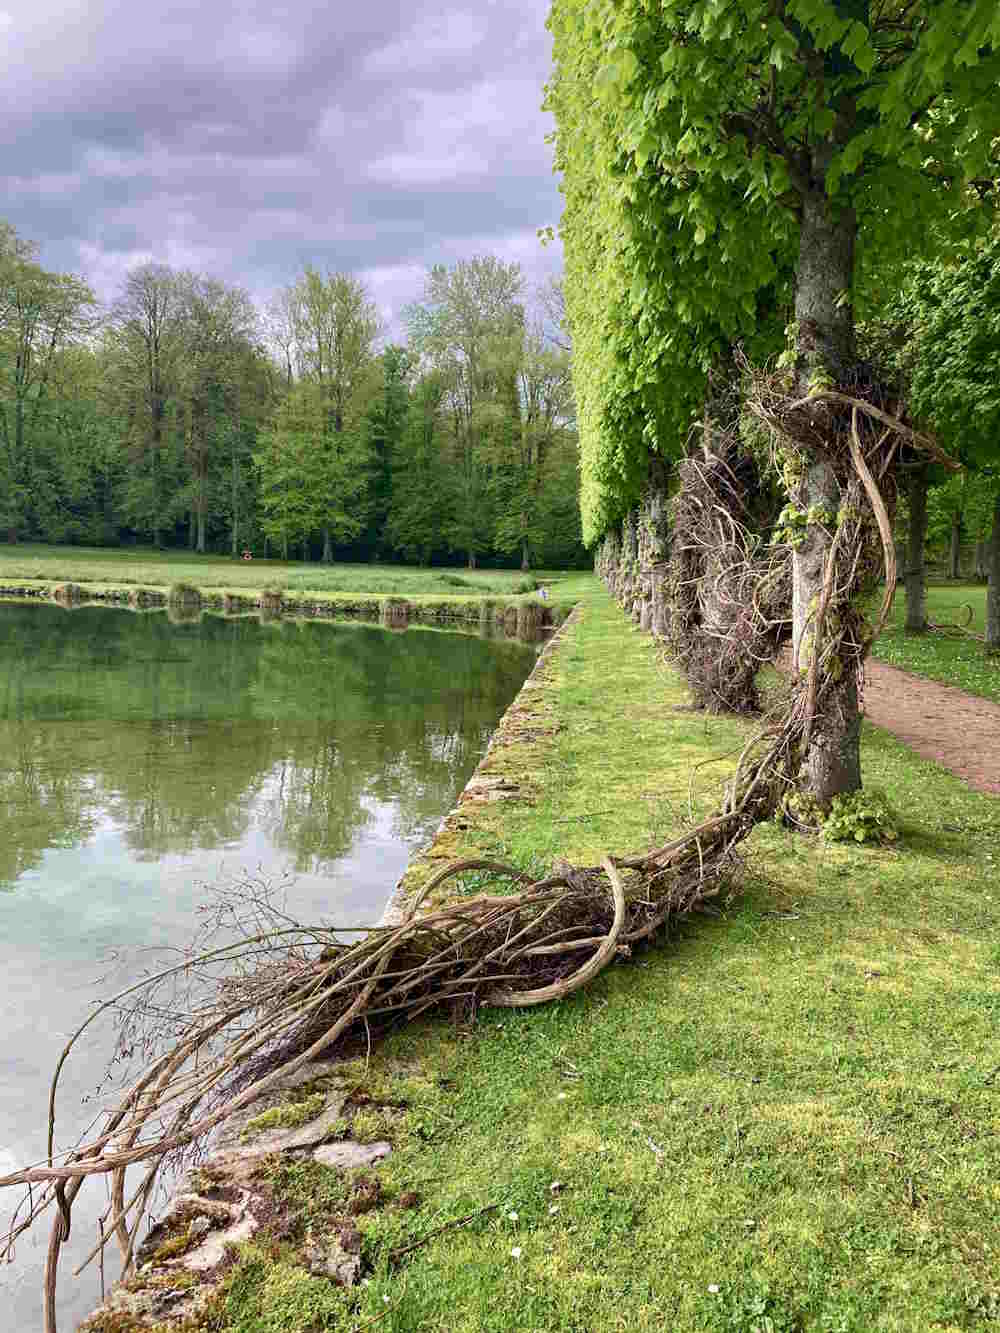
[219, 1204]
[489, 782]
[516, 614]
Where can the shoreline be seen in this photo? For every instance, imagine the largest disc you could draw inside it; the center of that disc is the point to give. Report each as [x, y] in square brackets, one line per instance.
[133, 1304]
[517, 614]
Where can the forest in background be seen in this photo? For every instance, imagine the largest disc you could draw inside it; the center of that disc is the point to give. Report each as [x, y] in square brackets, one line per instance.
[183, 416]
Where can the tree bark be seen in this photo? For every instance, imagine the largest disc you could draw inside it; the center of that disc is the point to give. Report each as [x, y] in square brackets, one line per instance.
[525, 558]
[327, 547]
[955, 550]
[993, 588]
[982, 571]
[916, 574]
[832, 765]
[825, 345]
[200, 547]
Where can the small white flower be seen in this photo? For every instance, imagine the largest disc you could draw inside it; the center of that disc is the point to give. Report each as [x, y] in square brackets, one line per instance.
[553, 1210]
[562, 1096]
[516, 1252]
[385, 1300]
[555, 1187]
[713, 1287]
[512, 1216]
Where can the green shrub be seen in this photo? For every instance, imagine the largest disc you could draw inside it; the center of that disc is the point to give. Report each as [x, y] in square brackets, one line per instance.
[862, 816]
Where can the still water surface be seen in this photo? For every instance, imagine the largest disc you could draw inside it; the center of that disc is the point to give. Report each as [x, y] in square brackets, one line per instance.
[143, 761]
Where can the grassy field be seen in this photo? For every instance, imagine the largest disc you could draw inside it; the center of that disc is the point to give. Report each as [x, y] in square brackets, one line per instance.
[954, 659]
[142, 566]
[783, 1120]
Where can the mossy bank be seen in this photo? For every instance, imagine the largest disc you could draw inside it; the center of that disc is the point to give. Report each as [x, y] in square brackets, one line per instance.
[784, 1117]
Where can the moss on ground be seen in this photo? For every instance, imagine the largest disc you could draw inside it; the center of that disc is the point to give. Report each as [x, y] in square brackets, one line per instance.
[289, 1115]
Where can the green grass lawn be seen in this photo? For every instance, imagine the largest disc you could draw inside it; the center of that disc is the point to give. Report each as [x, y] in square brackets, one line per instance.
[146, 567]
[786, 1118]
[954, 659]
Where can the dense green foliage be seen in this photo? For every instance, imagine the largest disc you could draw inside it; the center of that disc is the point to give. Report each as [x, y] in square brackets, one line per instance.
[184, 416]
[710, 149]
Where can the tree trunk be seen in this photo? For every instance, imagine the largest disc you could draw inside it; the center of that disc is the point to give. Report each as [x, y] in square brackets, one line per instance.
[993, 589]
[472, 559]
[192, 530]
[525, 558]
[327, 547]
[201, 528]
[825, 345]
[982, 572]
[915, 577]
[235, 531]
[956, 545]
[833, 763]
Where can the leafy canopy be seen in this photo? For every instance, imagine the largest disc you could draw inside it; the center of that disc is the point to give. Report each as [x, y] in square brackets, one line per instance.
[690, 133]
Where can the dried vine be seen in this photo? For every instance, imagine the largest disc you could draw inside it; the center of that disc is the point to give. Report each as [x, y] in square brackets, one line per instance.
[728, 587]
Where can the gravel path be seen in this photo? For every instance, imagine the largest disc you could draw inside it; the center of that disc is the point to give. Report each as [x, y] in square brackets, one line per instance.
[957, 730]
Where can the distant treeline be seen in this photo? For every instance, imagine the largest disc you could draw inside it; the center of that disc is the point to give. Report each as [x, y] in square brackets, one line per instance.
[183, 416]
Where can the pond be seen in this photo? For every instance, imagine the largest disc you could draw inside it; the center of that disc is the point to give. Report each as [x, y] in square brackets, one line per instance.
[142, 762]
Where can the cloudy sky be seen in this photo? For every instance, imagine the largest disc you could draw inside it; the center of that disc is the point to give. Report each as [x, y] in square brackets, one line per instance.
[244, 139]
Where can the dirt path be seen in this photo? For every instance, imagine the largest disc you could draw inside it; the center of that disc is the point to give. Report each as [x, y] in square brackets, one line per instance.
[957, 730]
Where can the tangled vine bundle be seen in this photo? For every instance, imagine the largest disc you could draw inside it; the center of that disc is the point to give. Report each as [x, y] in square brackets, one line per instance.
[728, 588]
[285, 993]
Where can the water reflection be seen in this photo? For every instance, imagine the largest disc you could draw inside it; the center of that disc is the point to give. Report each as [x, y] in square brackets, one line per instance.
[186, 736]
[140, 760]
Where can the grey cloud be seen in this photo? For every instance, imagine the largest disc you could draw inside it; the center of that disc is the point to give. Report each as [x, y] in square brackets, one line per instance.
[247, 139]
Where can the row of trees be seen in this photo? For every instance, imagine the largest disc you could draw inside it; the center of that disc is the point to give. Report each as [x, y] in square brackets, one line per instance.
[752, 182]
[183, 415]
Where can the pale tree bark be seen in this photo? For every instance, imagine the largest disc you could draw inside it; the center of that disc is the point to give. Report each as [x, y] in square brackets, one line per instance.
[825, 320]
[833, 762]
[916, 575]
[993, 589]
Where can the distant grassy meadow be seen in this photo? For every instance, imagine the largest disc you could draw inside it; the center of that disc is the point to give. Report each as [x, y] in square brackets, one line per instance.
[143, 566]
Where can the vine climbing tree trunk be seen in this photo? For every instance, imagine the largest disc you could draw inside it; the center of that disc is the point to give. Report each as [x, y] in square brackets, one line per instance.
[826, 355]
[915, 578]
[993, 589]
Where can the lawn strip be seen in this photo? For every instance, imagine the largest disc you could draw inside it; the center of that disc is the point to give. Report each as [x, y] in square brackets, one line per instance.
[953, 658]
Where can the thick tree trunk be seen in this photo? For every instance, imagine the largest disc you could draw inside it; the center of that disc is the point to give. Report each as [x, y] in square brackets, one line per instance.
[192, 531]
[327, 547]
[201, 529]
[525, 558]
[826, 347]
[915, 578]
[955, 550]
[833, 763]
[993, 589]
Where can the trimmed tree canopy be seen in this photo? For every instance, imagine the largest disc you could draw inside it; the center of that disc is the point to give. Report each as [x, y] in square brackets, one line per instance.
[709, 148]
